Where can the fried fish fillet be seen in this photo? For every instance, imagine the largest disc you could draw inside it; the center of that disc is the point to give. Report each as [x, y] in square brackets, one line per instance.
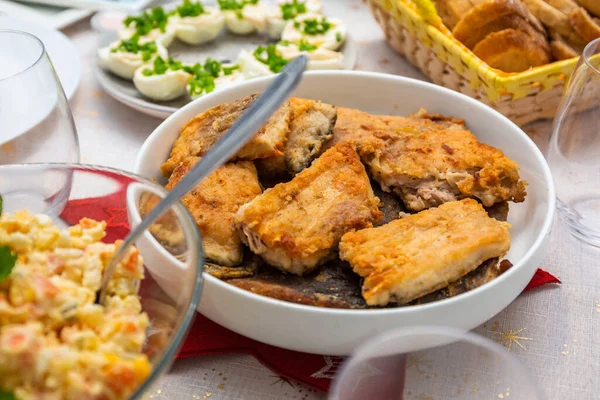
[419, 254]
[213, 204]
[206, 128]
[295, 226]
[430, 159]
[311, 126]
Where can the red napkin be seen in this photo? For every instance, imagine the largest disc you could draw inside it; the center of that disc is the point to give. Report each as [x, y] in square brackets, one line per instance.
[205, 336]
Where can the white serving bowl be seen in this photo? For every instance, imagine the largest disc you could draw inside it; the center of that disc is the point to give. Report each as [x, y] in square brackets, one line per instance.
[338, 332]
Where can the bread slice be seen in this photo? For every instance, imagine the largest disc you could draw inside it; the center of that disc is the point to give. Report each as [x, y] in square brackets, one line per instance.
[592, 6]
[554, 19]
[561, 50]
[511, 50]
[583, 23]
[564, 6]
[451, 11]
[495, 16]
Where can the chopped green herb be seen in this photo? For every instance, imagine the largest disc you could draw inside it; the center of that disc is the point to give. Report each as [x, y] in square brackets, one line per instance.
[160, 66]
[235, 4]
[291, 10]
[132, 45]
[1, 204]
[270, 57]
[306, 46]
[148, 20]
[203, 82]
[7, 262]
[6, 395]
[229, 70]
[303, 45]
[189, 9]
[338, 37]
[296, 24]
[315, 26]
[213, 67]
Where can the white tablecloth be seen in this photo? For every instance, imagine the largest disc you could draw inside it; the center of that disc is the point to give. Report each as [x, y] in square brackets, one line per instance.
[555, 332]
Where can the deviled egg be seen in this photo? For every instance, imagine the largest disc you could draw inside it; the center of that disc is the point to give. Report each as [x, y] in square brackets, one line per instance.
[124, 57]
[213, 75]
[317, 30]
[318, 57]
[277, 16]
[196, 24]
[162, 80]
[243, 17]
[263, 61]
[152, 25]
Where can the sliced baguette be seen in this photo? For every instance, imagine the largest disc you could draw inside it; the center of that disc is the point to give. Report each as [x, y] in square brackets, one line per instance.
[494, 16]
[583, 23]
[561, 50]
[451, 11]
[564, 6]
[592, 6]
[511, 50]
[554, 19]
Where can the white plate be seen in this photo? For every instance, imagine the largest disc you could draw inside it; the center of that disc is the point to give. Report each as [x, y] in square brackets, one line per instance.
[129, 5]
[52, 17]
[225, 48]
[63, 54]
[338, 332]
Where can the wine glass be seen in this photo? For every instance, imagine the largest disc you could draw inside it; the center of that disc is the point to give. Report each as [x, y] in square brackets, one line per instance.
[171, 248]
[433, 363]
[36, 124]
[574, 151]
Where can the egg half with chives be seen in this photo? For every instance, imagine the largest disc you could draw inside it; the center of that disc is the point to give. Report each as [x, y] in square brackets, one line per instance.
[152, 25]
[277, 16]
[162, 80]
[243, 17]
[319, 58]
[124, 57]
[317, 30]
[264, 61]
[195, 24]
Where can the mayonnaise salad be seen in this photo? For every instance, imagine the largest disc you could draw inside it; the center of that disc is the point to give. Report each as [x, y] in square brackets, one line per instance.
[55, 341]
[141, 54]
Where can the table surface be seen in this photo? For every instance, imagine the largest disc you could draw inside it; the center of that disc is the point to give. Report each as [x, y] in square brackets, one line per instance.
[554, 331]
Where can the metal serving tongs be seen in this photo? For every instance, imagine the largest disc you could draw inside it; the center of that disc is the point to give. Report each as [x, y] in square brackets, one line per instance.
[231, 142]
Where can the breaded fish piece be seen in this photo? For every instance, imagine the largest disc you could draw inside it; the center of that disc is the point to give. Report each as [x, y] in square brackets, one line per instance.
[213, 204]
[430, 159]
[295, 226]
[421, 253]
[206, 128]
[311, 126]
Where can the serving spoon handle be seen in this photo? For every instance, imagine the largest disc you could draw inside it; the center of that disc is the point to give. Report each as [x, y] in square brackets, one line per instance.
[226, 147]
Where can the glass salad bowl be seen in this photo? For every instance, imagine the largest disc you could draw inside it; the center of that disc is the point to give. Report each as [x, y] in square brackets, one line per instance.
[55, 339]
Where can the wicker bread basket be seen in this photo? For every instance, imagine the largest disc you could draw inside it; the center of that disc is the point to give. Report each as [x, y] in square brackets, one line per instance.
[522, 97]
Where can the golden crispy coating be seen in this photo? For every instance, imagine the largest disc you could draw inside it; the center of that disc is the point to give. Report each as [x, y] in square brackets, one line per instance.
[297, 225]
[430, 159]
[206, 128]
[213, 204]
[311, 127]
[421, 253]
